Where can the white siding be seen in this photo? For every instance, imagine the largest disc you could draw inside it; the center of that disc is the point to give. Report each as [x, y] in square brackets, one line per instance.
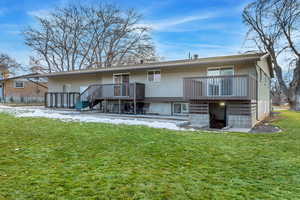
[171, 84]
[160, 108]
[264, 98]
[56, 84]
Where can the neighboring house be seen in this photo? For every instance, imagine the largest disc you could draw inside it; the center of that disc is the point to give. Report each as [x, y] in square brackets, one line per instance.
[216, 92]
[4, 73]
[279, 99]
[22, 89]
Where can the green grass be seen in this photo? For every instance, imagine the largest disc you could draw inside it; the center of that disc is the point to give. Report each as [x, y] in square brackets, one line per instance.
[49, 159]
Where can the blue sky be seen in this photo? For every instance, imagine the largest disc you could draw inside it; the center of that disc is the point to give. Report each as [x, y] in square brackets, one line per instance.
[203, 27]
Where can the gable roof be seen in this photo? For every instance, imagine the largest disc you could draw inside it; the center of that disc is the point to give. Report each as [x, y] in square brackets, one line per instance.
[224, 60]
[25, 76]
[21, 76]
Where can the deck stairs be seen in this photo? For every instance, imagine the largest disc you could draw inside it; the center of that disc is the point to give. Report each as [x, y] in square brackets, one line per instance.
[87, 99]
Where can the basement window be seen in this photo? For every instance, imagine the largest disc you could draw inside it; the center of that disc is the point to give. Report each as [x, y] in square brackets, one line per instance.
[19, 84]
[180, 108]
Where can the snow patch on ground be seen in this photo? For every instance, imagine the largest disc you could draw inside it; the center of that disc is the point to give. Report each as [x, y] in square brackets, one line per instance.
[77, 116]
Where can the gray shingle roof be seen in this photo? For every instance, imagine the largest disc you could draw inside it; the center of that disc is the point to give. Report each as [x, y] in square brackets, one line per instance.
[232, 59]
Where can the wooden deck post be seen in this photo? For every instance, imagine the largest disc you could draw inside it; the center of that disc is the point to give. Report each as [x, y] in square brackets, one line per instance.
[45, 100]
[134, 98]
[62, 103]
[51, 100]
[105, 106]
[56, 100]
[68, 100]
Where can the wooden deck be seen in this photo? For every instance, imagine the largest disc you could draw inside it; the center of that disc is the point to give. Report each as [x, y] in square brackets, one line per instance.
[237, 87]
[96, 93]
[129, 91]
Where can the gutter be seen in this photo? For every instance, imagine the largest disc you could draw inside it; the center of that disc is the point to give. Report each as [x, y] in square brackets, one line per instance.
[256, 91]
[191, 63]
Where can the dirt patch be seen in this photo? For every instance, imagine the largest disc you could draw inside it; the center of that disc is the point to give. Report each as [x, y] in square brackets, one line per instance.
[265, 126]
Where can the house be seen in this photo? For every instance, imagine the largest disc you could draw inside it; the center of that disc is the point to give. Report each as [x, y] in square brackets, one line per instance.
[279, 99]
[21, 89]
[216, 92]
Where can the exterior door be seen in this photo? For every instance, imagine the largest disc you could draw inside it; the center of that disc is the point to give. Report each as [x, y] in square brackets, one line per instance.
[213, 85]
[121, 85]
[220, 86]
[226, 82]
[125, 85]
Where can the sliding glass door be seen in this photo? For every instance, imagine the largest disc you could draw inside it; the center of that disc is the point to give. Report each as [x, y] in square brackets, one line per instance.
[220, 82]
[121, 87]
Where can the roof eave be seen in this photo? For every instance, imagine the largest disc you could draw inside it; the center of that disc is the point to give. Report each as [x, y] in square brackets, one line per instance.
[136, 68]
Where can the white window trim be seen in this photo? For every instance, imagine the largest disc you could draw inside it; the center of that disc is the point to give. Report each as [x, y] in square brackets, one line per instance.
[118, 74]
[221, 67]
[181, 111]
[154, 70]
[15, 84]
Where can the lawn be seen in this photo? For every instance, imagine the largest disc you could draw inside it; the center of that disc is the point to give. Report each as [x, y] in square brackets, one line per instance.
[49, 159]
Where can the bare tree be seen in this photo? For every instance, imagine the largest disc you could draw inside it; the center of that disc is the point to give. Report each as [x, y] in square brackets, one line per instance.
[9, 63]
[79, 37]
[35, 65]
[273, 27]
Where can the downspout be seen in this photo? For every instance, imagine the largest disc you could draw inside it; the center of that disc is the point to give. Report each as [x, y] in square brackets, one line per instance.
[256, 92]
[270, 100]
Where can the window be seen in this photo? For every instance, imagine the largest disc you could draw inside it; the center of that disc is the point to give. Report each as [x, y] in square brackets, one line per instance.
[220, 86]
[154, 76]
[122, 78]
[180, 108]
[1, 75]
[177, 108]
[220, 71]
[19, 84]
[121, 87]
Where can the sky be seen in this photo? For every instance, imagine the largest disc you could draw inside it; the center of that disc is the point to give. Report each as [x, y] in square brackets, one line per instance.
[179, 27]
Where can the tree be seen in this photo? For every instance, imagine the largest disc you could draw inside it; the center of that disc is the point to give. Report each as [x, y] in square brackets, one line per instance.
[273, 26]
[35, 66]
[80, 37]
[8, 63]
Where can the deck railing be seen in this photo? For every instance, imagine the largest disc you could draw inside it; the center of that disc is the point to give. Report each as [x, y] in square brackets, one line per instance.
[61, 99]
[239, 87]
[114, 91]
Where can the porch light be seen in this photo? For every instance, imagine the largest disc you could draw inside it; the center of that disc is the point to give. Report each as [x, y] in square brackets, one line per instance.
[222, 104]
